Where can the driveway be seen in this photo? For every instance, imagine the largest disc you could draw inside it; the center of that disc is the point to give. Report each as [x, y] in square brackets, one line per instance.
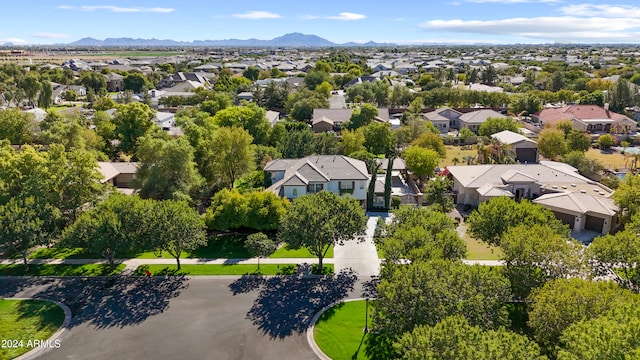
[187, 318]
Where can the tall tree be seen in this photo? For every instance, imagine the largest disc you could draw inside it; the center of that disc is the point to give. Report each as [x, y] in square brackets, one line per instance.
[551, 143]
[45, 95]
[132, 121]
[17, 127]
[496, 125]
[21, 227]
[536, 254]
[436, 193]
[492, 219]
[250, 117]
[176, 228]
[425, 293]
[233, 154]
[453, 338]
[379, 139]
[421, 162]
[166, 170]
[627, 196]
[319, 220]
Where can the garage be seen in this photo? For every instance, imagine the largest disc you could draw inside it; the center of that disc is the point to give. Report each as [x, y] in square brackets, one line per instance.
[594, 223]
[565, 218]
[525, 155]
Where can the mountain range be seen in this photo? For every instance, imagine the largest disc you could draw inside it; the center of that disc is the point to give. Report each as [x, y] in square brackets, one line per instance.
[288, 40]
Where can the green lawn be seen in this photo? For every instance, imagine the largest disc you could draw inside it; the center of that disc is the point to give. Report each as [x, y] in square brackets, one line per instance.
[610, 160]
[478, 250]
[24, 320]
[63, 253]
[228, 247]
[219, 269]
[456, 152]
[286, 252]
[59, 270]
[339, 331]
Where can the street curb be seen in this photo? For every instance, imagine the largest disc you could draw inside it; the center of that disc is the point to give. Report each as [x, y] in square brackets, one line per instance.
[32, 354]
[311, 340]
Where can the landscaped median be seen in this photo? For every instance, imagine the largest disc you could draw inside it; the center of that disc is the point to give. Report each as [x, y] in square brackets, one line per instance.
[25, 323]
[59, 270]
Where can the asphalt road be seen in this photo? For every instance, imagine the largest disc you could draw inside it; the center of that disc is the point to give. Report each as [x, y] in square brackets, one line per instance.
[187, 318]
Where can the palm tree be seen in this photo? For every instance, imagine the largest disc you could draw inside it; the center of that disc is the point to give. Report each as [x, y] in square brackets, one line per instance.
[455, 161]
[469, 159]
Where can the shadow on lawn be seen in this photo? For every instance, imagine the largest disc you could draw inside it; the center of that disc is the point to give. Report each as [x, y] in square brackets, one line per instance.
[286, 304]
[116, 301]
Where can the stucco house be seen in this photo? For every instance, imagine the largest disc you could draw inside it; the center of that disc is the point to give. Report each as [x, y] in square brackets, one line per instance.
[589, 118]
[473, 120]
[557, 186]
[444, 119]
[119, 174]
[339, 174]
[525, 149]
[332, 119]
[115, 82]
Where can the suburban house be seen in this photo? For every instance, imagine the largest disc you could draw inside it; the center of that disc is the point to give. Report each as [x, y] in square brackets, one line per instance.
[589, 118]
[443, 119]
[115, 82]
[446, 118]
[119, 174]
[524, 149]
[193, 80]
[581, 203]
[473, 120]
[331, 119]
[339, 174]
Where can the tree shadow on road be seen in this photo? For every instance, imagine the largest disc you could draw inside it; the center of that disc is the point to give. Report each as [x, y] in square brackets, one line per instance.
[286, 304]
[13, 286]
[116, 301]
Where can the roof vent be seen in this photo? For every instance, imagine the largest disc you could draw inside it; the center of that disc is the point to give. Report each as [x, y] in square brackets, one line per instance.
[564, 186]
[601, 193]
[554, 187]
[596, 190]
[583, 191]
[573, 185]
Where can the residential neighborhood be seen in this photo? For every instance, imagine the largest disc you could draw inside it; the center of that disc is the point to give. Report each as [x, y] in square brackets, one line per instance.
[331, 201]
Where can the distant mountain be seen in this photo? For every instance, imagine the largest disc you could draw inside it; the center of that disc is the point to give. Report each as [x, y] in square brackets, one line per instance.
[288, 40]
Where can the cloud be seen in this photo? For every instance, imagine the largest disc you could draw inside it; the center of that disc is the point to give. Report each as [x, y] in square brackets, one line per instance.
[562, 28]
[621, 11]
[14, 41]
[347, 16]
[308, 17]
[513, 1]
[118, 9]
[48, 35]
[255, 15]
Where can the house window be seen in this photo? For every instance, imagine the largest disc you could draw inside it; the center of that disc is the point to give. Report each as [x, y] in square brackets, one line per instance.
[361, 185]
[295, 192]
[314, 188]
[346, 187]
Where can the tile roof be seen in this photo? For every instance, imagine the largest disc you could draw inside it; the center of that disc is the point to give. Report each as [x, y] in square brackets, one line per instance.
[480, 116]
[582, 203]
[582, 112]
[510, 138]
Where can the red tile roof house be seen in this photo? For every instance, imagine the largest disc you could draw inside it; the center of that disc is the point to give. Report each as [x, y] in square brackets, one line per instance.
[588, 118]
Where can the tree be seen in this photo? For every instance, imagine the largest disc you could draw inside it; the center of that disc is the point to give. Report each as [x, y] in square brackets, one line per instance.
[420, 234]
[324, 89]
[176, 228]
[453, 338]
[136, 82]
[326, 144]
[219, 101]
[228, 210]
[587, 167]
[622, 94]
[94, 81]
[132, 121]
[21, 227]
[536, 254]
[251, 73]
[297, 143]
[114, 227]
[433, 141]
[527, 103]
[31, 86]
[315, 77]
[495, 217]
[17, 127]
[612, 336]
[627, 196]
[233, 153]
[489, 75]
[166, 170]
[605, 141]
[495, 125]
[250, 117]
[260, 245]
[425, 293]
[562, 302]
[437, 193]
[421, 162]
[45, 95]
[362, 116]
[379, 139]
[551, 143]
[618, 256]
[352, 141]
[319, 220]
[578, 141]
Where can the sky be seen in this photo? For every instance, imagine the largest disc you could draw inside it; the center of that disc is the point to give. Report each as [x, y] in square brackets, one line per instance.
[407, 22]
